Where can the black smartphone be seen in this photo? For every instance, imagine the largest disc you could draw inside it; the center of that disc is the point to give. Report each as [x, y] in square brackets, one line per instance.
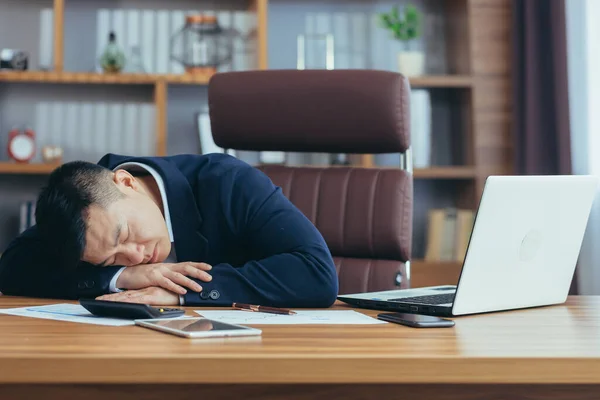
[416, 320]
[115, 309]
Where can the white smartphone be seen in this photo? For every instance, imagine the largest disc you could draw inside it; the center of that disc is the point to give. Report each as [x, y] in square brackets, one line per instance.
[197, 327]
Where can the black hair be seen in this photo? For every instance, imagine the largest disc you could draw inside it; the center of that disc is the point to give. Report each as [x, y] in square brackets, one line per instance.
[62, 207]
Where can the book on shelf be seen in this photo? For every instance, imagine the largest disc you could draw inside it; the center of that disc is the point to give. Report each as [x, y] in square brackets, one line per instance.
[207, 143]
[420, 127]
[27, 216]
[420, 133]
[448, 234]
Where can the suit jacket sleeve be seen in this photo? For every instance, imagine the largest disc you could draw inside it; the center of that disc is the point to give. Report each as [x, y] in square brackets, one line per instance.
[27, 268]
[294, 267]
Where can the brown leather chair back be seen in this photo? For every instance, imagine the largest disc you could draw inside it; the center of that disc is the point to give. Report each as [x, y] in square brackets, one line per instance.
[364, 214]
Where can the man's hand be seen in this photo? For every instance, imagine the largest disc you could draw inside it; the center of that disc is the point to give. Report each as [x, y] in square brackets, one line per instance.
[154, 296]
[173, 277]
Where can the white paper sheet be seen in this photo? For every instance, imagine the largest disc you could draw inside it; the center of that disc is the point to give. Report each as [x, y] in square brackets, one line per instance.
[303, 317]
[65, 312]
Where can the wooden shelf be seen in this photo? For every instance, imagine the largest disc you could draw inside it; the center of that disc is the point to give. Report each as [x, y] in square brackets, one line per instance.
[445, 173]
[29, 169]
[98, 78]
[433, 273]
[419, 173]
[441, 81]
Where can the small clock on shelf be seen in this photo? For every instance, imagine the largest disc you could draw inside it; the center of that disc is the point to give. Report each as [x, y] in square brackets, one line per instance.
[21, 145]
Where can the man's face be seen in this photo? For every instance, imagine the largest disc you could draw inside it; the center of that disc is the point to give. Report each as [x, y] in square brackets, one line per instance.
[131, 231]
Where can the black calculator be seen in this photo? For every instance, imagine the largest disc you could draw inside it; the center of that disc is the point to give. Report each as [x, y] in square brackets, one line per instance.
[116, 309]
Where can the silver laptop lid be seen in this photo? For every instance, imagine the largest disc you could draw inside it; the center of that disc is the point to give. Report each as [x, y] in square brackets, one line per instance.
[525, 242]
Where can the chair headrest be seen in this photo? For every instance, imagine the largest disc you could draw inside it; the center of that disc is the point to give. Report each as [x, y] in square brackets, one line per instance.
[339, 111]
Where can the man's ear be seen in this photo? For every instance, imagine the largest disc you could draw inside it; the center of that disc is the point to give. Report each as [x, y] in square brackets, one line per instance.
[124, 179]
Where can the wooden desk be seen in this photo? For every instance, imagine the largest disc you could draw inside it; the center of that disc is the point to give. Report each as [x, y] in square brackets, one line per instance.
[551, 352]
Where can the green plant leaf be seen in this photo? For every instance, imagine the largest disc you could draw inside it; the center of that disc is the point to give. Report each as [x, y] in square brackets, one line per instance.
[412, 14]
[395, 13]
[403, 26]
[398, 28]
[385, 22]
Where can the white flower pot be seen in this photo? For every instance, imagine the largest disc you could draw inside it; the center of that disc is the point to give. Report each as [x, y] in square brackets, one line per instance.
[411, 63]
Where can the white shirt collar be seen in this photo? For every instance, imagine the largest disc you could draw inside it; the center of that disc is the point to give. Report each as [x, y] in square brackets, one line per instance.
[161, 187]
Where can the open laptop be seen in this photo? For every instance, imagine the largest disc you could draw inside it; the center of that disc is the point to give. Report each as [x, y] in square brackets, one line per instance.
[522, 252]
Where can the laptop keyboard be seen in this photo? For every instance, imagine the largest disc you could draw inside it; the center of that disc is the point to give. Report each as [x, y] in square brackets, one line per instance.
[431, 299]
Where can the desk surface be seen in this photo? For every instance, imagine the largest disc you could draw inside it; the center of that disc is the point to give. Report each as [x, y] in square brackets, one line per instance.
[528, 346]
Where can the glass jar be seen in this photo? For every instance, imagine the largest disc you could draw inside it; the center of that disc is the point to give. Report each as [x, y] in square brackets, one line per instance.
[201, 45]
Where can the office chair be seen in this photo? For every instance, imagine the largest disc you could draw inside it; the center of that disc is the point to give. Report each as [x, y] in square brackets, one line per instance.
[364, 214]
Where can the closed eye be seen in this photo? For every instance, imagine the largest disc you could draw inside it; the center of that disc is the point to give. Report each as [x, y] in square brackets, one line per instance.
[106, 263]
[114, 260]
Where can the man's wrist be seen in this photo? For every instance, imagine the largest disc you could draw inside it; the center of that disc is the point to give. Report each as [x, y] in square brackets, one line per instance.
[114, 282]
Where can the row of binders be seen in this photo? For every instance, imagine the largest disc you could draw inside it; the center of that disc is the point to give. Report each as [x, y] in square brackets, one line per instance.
[27, 216]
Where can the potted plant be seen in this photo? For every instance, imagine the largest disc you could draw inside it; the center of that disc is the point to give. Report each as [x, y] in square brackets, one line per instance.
[406, 26]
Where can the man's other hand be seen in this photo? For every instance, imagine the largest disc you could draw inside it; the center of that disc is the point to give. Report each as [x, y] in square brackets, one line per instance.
[153, 296]
[173, 277]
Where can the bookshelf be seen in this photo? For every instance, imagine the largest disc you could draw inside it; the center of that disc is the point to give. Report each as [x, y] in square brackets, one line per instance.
[27, 169]
[473, 92]
[445, 173]
[85, 78]
[160, 82]
[433, 273]
[476, 91]
[434, 81]
[441, 81]
[476, 94]
[458, 173]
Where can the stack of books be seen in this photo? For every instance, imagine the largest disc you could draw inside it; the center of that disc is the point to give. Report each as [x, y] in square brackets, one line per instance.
[448, 234]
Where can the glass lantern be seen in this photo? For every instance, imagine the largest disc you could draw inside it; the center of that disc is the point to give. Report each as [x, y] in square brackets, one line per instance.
[201, 45]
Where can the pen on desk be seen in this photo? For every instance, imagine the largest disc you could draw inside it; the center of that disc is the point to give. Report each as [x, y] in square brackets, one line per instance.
[270, 310]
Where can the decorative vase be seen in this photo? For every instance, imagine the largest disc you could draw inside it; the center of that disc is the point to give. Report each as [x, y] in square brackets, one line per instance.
[411, 63]
[112, 59]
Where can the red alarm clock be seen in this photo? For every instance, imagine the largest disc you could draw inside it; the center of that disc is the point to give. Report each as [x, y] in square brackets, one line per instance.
[21, 145]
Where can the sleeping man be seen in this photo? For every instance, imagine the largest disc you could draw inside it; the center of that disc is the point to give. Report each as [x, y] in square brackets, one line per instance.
[183, 230]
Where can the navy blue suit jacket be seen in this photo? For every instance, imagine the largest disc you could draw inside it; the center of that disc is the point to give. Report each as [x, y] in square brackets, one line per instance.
[223, 212]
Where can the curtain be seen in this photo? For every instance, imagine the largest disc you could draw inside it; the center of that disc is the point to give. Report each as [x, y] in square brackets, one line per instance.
[541, 129]
[584, 97]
